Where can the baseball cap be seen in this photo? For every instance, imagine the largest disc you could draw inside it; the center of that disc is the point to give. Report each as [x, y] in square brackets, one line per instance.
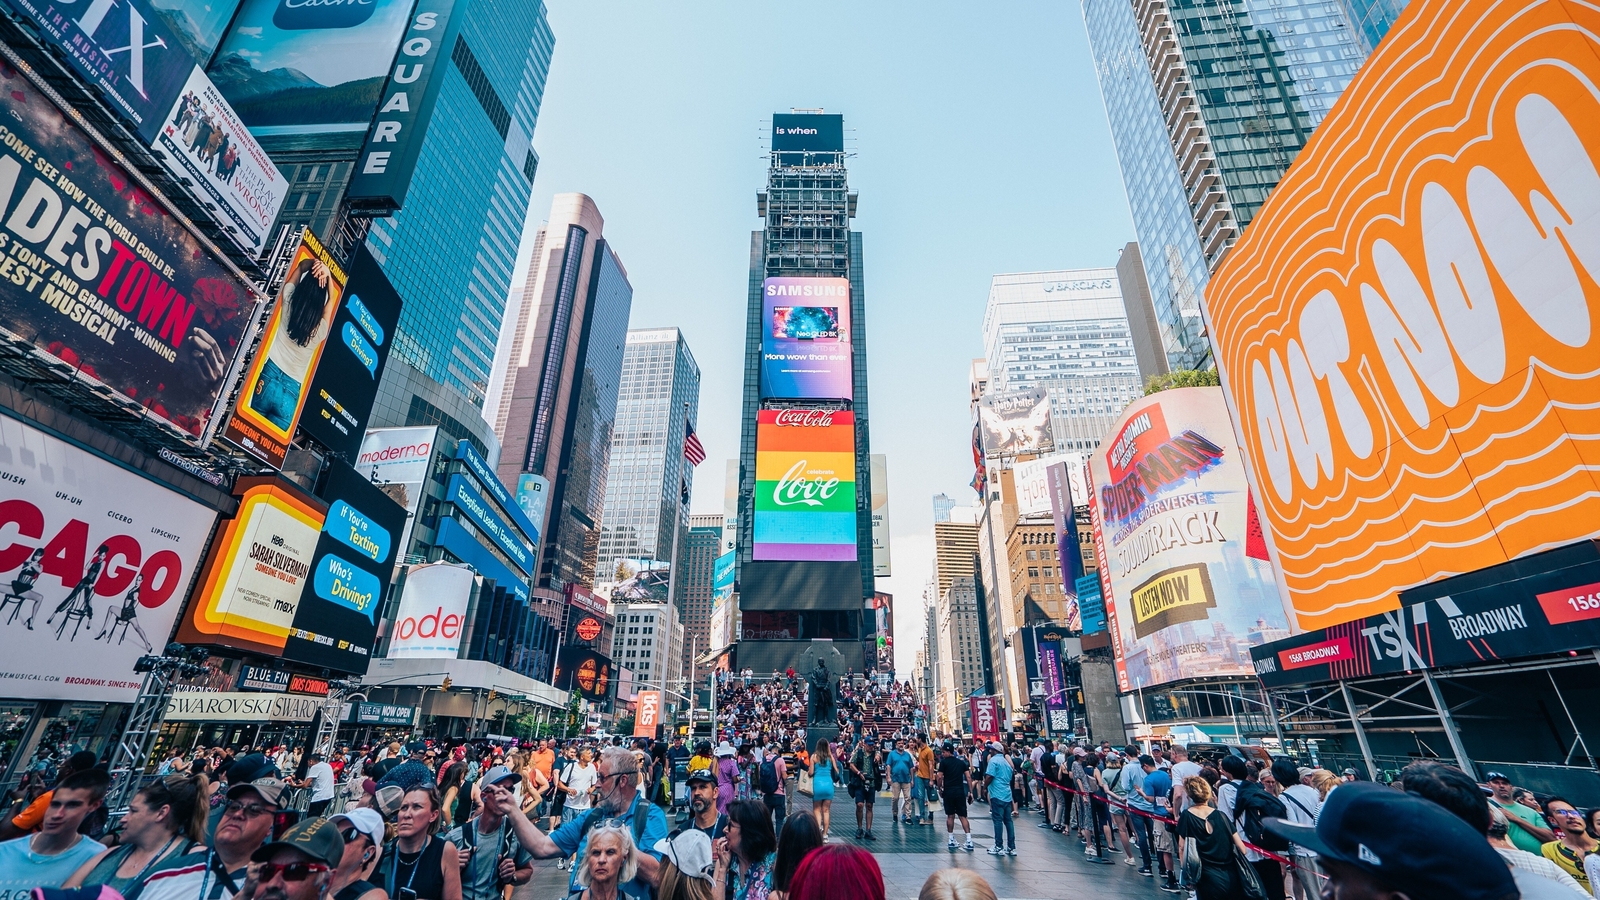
[270, 789]
[700, 775]
[497, 775]
[366, 821]
[1495, 776]
[1408, 843]
[416, 747]
[690, 852]
[995, 745]
[388, 799]
[316, 838]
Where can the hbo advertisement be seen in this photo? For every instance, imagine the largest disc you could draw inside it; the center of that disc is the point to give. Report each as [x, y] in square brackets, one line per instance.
[1186, 593]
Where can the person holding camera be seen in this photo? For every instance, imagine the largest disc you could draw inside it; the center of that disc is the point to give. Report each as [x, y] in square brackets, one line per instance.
[491, 855]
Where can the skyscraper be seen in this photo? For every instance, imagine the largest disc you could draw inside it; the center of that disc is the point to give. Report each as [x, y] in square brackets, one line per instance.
[1064, 331]
[1371, 19]
[942, 504]
[1142, 326]
[1208, 104]
[555, 405]
[805, 524]
[697, 566]
[648, 480]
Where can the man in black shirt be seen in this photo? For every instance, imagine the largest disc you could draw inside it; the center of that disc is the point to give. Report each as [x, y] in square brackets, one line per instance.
[952, 779]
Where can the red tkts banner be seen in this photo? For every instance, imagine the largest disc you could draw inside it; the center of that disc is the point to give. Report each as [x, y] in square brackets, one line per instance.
[648, 714]
[985, 717]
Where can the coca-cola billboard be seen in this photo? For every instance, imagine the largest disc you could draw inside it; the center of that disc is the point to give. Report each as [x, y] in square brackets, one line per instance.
[805, 503]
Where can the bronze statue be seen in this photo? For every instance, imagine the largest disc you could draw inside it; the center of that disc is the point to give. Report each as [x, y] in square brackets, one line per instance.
[824, 707]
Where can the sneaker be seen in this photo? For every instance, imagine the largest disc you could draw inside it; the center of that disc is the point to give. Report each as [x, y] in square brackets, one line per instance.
[869, 835]
[1045, 825]
[1173, 888]
[1130, 861]
[1145, 871]
[997, 851]
[951, 846]
[859, 833]
[970, 847]
[1011, 851]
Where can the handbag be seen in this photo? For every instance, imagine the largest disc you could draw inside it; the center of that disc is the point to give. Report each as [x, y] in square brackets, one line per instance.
[1191, 865]
[1249, 882]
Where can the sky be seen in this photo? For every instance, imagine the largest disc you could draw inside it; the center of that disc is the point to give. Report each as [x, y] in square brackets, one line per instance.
[981, 147]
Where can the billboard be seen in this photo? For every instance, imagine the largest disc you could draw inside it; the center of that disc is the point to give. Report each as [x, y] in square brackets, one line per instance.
[471, 503]
[339, 401]
[533, 495]
[805, 503]
[1015, 422]
[722, 581]
[584, 671]
[648, 714]
[816, 133]
[198, 24]
[985, 713]
[1032, 483]
[95, 563]
[880, 515]
[97, 275]
[1065, 489]
[639, 581]
[431, 617]
[805, 339]
[257, 569]
[384, 167]
[1183, 597]
[337, 620]
[1406, 331]
[292, 67]
[398, 459]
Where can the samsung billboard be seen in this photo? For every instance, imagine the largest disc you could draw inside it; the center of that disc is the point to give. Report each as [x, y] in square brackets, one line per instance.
[805, 339]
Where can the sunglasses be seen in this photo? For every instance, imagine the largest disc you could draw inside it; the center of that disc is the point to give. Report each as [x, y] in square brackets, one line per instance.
[295, 871]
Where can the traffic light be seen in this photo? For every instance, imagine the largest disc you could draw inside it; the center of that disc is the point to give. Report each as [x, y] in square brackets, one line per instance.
[492, 695]
[445, 684]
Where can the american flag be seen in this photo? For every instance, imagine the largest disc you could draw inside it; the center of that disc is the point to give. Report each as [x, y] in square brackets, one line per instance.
[692, 450]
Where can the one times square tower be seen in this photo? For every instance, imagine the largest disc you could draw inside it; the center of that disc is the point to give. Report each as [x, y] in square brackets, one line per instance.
[805, 523]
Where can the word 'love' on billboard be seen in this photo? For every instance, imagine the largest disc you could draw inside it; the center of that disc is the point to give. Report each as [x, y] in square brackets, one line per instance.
[1407, 331]
[95, 273]
[805, 339]
[805, 504]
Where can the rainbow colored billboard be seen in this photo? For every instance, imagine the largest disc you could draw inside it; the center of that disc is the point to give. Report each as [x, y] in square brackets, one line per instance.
[805, 485]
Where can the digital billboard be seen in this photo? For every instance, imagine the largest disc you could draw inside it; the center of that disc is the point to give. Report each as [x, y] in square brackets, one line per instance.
[805, 339]
[96, 274]
[585, 671]
[345, 383]
[278, 380]
[1184, 597]
[808, 132]
[257, 569]
[293, 67]
[881, 567]
[1407, 330]
[1015, 422]
[431, 618]
[198, 24]
[805, 503]
[337, 620]
[398, 459]
[95, 561]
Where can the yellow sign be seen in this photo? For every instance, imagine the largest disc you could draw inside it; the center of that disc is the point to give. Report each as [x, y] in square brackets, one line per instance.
[1181, 594]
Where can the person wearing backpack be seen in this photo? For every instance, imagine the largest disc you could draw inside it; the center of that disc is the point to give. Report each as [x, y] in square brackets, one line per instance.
[1246, 804]
[865, 765]
[771, 776]
[1302, 803]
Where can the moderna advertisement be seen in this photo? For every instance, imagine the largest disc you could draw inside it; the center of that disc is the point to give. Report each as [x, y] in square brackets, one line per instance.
[431, 617]
[805, 339]
[1184, 596]
[1407, 331]
[95, 563]
[397, 460]
[805, 503]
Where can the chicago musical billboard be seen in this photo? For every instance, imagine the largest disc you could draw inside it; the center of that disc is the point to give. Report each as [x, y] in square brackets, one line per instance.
[1186, 595]
[1407, 330]
[805, 503]
[805, 339]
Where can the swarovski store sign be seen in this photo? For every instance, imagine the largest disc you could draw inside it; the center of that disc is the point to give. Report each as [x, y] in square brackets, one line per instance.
[241, 707]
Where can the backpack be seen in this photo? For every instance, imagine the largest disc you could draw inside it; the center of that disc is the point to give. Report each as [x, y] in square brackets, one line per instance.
[769, 776]
[1049, 767]
[1252, 806]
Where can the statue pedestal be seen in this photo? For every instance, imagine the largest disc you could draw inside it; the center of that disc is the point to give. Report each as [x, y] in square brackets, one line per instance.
[814, 733]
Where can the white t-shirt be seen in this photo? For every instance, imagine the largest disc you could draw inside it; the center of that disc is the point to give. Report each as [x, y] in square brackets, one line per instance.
[321, 776]
[293, 359]
[583, 780]
[1296, 796]
[1181, 771]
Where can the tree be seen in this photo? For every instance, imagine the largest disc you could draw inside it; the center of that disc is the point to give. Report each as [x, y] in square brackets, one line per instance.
[1182, 378]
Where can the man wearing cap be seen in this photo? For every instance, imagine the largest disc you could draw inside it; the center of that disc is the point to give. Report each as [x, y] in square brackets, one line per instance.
[1377, 843]
[703, 796]
[865, 763]
[491, 855]
[319, 778]
[217, 872]
[297, 866]
[1528, 830]
[362, 830]
[615, 798]
[997, 781]
[413, 772]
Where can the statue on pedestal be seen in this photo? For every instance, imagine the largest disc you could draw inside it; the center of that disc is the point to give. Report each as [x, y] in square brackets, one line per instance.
[824, 706]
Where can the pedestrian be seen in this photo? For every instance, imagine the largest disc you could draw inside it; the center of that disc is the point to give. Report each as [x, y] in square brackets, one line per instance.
[298, 866]
[1529, 830]
[1374, 841]
[1216, 844]
[745, 854]
[1573, 842]
[824, 770]
[418, 859]
[1141, 811]
[703, 807]
[686, 866]
[491, 857]
[1113, 776]
[47, 859]
[610, 860]
[997, 783]
[319, 779]
[728, 780]
[166, 819]
[413, 772]
[1301, 801]
[770, 777]
[837, 872]
[1157, 788]
[956, 884]
[922, 788]
[362, 832]
[865, 765]
[1247, 804]
[899, 764]
[952, 782]
[798, 837]
[31, 819]
[247, 817]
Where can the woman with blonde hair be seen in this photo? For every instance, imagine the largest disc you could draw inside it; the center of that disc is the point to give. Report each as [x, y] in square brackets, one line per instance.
[686, 864]
[1217, 842]
[956, 884]
[609, 861]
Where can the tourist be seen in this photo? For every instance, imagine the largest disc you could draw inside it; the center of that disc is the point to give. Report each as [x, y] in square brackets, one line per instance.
[298, 866]
[824, 770]
[166, 819]
[952, 781]
[899, 764]
[866, 763]
[362, 831]
[1215, 840]
[246, 818]
[609, 861]
[837, 872]
[956, 884]
[687, 865]
[491, 857]
[798, 837]
[745, 855]
[728, 780]
[419, 860]
[997, 783]
[47, 859]
[1573, 842]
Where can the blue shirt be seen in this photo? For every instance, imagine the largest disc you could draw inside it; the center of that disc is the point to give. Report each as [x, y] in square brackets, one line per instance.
[22, 870]
[1000, 769]
[570, 839]
[900, 766]
[1135, 783]
[1158, 785]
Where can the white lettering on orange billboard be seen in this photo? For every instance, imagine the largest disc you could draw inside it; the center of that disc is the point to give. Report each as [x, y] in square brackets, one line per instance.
[1406, 330]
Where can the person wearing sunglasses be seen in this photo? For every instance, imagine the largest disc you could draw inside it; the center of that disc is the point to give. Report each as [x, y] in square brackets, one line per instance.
[362, 831]
[165, 819]
[298, 866]
[218, 871]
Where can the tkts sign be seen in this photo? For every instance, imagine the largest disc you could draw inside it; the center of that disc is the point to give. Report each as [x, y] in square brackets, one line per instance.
[1548, 603]
[985, 717]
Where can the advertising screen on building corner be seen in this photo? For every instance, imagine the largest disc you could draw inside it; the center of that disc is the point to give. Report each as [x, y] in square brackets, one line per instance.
[1187, 591]
[805, 339]
[805, 504]
[1407, 331]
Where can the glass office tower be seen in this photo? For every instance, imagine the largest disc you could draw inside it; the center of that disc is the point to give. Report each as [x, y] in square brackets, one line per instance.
[1209, 101]
[1371, 19]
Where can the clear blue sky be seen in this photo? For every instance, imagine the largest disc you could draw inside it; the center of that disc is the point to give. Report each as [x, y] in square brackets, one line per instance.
[982, 148]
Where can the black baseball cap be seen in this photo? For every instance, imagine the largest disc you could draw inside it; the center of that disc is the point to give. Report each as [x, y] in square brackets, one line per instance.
[1407, 843]
[703, 775]
[1495, 776]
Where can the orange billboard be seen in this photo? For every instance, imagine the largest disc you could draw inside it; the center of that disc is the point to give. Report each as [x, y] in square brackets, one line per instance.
[648, 714]
[1407, 329]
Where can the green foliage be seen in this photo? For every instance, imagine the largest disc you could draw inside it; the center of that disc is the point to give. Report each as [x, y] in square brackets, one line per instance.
[1182, 378]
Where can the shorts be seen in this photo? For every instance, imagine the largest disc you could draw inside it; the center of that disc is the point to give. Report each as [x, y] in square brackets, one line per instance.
[955, 803]
[1164, 842]
[864, 794]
